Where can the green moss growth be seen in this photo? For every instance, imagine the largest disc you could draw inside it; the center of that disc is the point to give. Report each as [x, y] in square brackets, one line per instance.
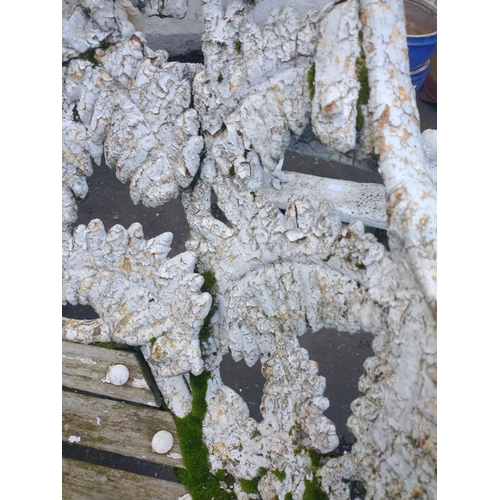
[220, 78]
[237, 46]
[209, 285]
[280, 474]
[362, 74]
[310, 80]
[205, 330]
[315, 459]
[232, 171]
[89, 55]
[210, 280]
[313, 490]
[261, 472]
[359, 487]
[364, 91]
[250, 485]
[360, 118]
[113, 345]
[197, 478]
[105, 45]
[224, 476]
[289, 496]
[256, 433]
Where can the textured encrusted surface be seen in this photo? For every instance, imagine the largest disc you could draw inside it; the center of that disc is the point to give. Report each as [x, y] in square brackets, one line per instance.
[297, 271]
[253, 94]
[86, 24]
[143, 298]
[411, 192]
[336, 86]
[166, 8]
[134, 107]
[277, 275]
[285, 277]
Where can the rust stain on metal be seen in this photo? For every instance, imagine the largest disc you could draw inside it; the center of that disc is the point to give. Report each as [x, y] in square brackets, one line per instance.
[429, 446]
[382, 147]
[396, 35]
[126, 266]
[414, 119]
[418, 491]
[97, 332]
[323, 42]
[76, 74]
[406, 136]
[424, 221]
[380, 125]
[349, 234]
[403, 94]
[384, 118]
[330, 108]
[396, 197]
[220, 448]
[370, 47]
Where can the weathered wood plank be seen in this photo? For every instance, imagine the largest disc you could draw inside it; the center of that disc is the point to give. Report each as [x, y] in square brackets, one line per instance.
[84, 481]
[85, 366]
[117, 427]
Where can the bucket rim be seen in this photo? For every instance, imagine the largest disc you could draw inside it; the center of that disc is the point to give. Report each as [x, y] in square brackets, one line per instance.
[425, 6]
[432, 33]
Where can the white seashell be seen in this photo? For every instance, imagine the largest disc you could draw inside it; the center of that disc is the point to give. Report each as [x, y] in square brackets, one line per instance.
[118, 374]
[162, 442]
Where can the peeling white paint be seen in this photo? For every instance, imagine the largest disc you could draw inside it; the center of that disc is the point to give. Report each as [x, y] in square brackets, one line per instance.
[140, 383]
[277, 274]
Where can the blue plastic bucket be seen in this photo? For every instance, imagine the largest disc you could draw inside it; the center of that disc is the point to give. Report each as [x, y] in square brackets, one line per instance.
[418, 76]
[421, 32]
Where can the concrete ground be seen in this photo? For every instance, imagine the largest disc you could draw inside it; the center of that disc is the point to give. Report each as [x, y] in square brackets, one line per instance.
[340, 356]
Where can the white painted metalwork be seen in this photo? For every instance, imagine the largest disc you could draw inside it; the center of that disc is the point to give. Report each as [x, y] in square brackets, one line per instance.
[224, 126]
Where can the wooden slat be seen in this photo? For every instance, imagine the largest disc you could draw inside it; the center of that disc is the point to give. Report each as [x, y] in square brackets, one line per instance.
[117, 427]
[84, 367]
[84, 481]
